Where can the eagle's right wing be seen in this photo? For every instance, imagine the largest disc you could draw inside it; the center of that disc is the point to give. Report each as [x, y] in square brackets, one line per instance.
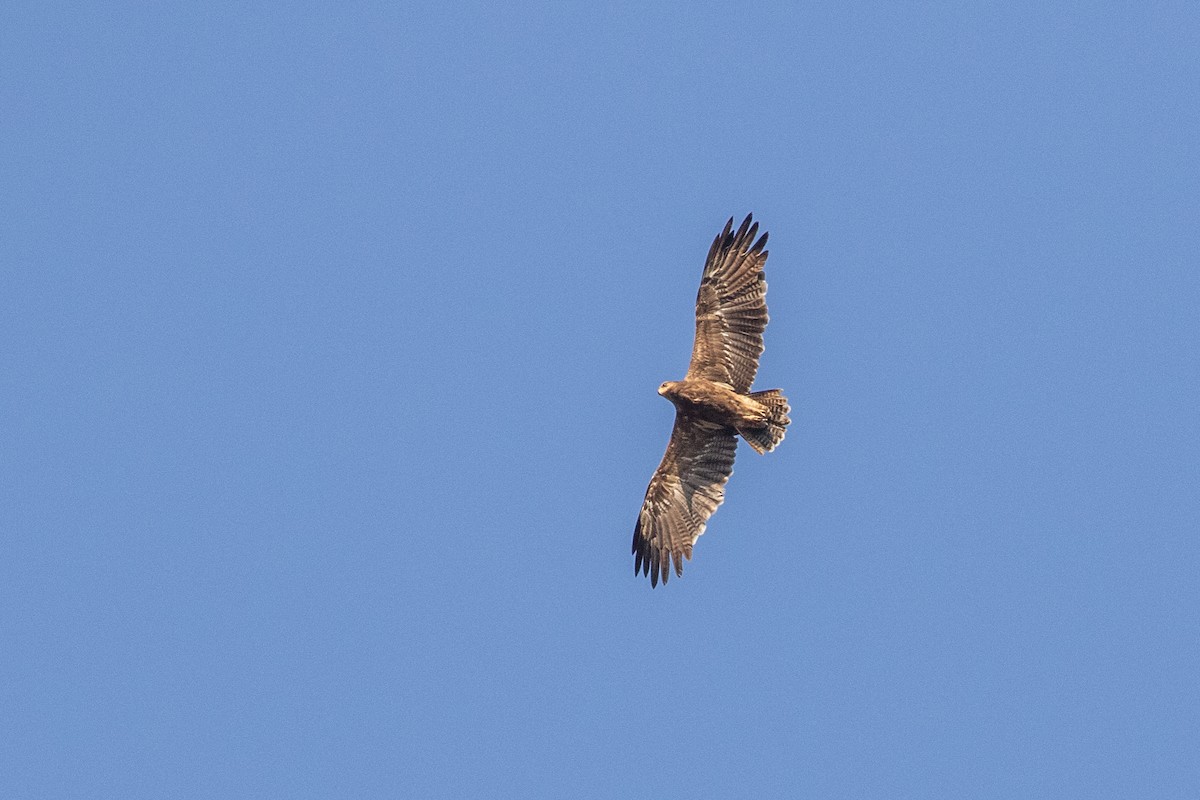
[731, 309]
[686, 489]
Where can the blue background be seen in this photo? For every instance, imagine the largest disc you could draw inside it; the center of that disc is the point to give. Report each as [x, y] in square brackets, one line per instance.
[331, 339]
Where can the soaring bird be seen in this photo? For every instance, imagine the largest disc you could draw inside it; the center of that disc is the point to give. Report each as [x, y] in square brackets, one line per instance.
[713, 404]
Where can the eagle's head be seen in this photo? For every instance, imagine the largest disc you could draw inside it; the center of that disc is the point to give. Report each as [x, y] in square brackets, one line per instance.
[666, 388]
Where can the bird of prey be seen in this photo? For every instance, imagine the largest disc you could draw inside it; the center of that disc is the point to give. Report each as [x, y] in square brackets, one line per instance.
[713, 404]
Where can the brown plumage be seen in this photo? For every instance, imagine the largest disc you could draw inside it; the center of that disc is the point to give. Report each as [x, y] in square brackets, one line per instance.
[713, 404]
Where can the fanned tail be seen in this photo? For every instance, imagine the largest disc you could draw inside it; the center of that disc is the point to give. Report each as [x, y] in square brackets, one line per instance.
[765, 439]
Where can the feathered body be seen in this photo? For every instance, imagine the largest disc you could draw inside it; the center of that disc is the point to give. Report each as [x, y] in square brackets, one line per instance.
[718, 403]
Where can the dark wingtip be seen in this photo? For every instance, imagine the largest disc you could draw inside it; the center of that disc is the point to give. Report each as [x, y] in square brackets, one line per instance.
[760, 244]
[726, 236]
[748, 224]
[646, 560]
[744, 236]
[721, 241]
[741, 232]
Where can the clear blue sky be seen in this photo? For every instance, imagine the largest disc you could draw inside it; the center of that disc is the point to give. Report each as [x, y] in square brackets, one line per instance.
[331, 340]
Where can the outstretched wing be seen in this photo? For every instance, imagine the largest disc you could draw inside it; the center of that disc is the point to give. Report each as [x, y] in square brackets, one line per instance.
[686, 489]
[731, 308]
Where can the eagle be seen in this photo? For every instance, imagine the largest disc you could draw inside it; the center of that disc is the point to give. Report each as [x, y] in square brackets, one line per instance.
[713, 405]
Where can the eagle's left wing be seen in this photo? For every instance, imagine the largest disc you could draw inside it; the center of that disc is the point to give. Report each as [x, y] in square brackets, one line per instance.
[686, 489]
